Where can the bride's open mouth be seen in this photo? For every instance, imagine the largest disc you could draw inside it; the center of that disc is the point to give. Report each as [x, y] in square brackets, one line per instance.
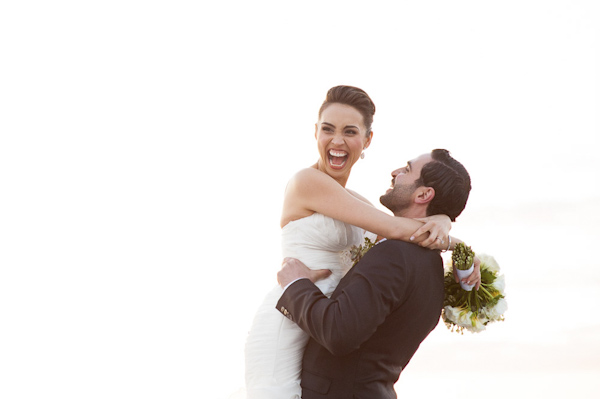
[337, 158]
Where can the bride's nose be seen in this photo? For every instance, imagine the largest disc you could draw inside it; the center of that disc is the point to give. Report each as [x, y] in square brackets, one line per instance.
[337, 139]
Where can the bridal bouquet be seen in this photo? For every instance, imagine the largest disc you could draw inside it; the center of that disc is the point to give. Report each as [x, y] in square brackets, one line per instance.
[472, 310]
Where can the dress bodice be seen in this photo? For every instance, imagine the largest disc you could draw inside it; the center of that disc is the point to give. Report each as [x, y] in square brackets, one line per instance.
[320, 242]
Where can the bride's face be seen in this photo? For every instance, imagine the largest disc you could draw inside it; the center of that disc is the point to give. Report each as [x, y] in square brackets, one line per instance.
[341, 137]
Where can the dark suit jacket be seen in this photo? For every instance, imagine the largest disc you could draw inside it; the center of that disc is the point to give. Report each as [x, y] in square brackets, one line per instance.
[377, 317]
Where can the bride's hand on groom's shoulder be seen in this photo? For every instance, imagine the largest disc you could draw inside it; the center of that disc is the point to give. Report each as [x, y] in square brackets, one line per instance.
[292, 269]
[438, 227]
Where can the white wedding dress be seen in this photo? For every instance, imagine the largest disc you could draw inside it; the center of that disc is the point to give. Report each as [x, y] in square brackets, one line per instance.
[275, 345]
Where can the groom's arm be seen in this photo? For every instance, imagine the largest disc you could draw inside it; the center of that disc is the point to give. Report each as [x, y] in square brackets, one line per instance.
[375, 287]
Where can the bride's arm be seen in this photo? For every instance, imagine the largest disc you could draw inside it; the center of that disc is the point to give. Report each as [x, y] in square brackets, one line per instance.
[360, 197]
[427, 228]
[313, 191]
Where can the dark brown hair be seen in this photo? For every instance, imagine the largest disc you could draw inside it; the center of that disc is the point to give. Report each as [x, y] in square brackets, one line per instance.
[354, 97]
[451, 183]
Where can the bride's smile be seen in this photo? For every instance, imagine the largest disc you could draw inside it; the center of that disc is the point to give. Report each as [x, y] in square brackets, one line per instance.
[337, 159]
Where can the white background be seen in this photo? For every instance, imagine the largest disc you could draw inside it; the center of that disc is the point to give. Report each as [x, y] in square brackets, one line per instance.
[145, 147]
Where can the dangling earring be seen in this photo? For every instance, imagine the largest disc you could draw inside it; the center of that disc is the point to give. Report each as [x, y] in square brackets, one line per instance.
[362, 155]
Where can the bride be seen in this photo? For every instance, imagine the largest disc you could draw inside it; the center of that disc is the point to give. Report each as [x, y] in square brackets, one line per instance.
[321, 219]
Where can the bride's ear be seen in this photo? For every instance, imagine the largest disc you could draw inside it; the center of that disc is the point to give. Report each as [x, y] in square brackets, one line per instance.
[316, 129]
[368, 142]
[424, 195]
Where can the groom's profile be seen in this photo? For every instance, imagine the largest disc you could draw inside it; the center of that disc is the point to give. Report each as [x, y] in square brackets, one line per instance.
[366, 333]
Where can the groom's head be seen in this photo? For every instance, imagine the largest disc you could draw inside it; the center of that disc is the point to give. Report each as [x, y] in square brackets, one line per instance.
[431, 184]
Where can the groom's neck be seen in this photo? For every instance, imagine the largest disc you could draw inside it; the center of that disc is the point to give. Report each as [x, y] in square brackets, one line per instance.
[411, 213]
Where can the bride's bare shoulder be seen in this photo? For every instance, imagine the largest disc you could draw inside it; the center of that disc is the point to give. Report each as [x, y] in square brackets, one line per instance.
[299, 188]
[309, 173]
[309, 176]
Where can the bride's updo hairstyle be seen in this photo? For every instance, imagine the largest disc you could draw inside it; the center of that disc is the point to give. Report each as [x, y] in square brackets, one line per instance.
[354, 97]
[451, 183]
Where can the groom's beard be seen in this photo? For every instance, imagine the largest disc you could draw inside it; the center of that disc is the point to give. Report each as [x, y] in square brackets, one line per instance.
[399, 199]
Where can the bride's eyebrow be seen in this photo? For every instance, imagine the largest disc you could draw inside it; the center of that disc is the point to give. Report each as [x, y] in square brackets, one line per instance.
[346, 127]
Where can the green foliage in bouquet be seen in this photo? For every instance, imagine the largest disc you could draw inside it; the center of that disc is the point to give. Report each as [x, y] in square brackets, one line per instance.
[356, 253]
[473, 310]
[462, 256]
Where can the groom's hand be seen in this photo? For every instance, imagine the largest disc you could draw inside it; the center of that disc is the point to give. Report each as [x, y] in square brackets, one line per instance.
[292, 269]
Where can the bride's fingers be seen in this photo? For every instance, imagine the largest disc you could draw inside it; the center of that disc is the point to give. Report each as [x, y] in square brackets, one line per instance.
[434, 242]
[436, 237]
[475, 277]
[434, 245]
[474, 282]
[428, 242]
[423, 230]
[477, 272]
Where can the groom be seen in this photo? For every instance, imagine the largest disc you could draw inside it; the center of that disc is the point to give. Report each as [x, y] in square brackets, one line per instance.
[367, 332]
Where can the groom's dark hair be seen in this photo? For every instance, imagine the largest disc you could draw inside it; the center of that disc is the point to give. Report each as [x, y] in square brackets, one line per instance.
[354, 97]
[451, 183]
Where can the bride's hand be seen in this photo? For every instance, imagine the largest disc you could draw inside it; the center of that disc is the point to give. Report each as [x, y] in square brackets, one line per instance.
[473, 278]
[438, 227]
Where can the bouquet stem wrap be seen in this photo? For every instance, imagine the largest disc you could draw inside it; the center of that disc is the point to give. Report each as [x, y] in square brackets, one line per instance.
[465, 273]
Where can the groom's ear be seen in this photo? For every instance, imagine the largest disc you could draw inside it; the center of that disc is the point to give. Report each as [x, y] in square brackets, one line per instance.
[424, 195]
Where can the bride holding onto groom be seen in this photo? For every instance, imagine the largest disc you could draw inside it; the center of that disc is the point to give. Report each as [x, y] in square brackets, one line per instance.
[333, 330]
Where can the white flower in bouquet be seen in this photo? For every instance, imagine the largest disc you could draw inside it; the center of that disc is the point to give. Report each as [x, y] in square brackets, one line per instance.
[478, 322]
[452, 314]
[499, 284]
[496, 312]
[464, 318]
[490, 262]
[474, 310]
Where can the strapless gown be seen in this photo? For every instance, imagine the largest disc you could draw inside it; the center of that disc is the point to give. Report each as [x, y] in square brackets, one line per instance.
[275, 345]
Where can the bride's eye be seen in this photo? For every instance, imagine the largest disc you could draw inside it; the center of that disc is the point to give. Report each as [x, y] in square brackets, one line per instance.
[350, 132]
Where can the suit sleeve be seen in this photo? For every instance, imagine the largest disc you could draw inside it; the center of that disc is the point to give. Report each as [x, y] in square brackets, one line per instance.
[375, 287]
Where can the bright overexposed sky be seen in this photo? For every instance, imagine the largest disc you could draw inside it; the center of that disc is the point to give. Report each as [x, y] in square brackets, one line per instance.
[145, 147]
